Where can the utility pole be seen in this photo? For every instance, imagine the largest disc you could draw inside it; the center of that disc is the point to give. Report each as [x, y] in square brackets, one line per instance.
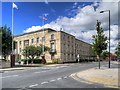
[109, 32]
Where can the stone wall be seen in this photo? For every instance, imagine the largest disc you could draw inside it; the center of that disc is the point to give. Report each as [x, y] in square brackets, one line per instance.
[5, 64]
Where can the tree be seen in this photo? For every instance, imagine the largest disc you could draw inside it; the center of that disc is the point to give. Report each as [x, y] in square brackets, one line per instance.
[31, 51]
[105, 54]
[118, 49]
[6, 41]
[39, 49]
[100, 41]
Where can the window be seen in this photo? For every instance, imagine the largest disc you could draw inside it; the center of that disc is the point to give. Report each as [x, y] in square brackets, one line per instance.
[20, 50]
[26, 42]
[32, 40]
[20, 57]
[52, 46]
[43, 39]
[37, 39]
[20, 42]
[52, 37]
[63, 37]
[68, 37]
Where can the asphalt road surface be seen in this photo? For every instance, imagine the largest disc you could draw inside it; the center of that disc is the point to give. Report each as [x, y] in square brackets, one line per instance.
[49, 77]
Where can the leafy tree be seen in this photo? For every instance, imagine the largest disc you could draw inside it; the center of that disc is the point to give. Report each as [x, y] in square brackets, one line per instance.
[118, 49]
[100, 41]
[105, 54]
[6, 41]
[31, 51]
[39, 49]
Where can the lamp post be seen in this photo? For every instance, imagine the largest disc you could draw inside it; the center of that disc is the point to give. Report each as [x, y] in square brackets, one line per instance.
[109, 32]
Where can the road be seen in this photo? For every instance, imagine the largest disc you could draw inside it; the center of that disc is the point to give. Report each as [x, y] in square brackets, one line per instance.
[49, 77]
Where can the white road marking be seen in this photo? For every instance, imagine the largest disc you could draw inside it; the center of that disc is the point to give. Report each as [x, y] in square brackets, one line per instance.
[33, 85]
[52, 80]
[44, 82]
[34, 68]
[59, 78]
[40, 72]
[71, 75]
[10, 76]
[37, 72]
[44, 71]
[57, 67]
[65, 77]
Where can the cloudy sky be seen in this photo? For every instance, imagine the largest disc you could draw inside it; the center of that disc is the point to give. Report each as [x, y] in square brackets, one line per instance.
[76, 18]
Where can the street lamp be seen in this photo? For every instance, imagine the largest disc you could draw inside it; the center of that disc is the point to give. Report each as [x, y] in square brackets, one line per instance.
[109, 32]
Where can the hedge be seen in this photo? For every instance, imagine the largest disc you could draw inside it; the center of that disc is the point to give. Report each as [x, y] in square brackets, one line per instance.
[35, 61]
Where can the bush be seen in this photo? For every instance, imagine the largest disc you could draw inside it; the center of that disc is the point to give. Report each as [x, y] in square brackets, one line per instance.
[23, 59]
[29, 61]
[37, 61]
[55, 61]
[26, 60]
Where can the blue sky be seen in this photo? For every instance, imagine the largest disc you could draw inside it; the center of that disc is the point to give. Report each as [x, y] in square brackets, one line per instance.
[28, 13]
[76, 18]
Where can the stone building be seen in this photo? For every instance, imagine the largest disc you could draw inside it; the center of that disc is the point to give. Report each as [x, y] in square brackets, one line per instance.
[66, 46]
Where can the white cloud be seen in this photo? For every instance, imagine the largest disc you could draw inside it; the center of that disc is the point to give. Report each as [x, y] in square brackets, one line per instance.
[52, 25]
[82, 25]
[75, 5]
[95, 4]
[114, 31]
[46, 14]
[46, 1]
[33, 28]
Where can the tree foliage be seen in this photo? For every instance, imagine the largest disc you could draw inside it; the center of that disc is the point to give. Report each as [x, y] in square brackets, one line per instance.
[100, 40]
[6, 40]
[31, 51]
[105, 54]
[118, 49]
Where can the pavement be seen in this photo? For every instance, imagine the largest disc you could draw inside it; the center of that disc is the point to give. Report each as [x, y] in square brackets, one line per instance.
[11, 69]
[106, 76]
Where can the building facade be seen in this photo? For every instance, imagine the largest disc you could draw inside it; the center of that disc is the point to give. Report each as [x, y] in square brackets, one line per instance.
[63, 46]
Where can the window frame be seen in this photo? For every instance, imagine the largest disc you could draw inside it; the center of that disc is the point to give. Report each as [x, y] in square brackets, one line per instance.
[37, 39]
[32, 40]
[52, 36]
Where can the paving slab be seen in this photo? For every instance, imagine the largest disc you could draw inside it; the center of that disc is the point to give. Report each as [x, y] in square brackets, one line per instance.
[106, 76]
